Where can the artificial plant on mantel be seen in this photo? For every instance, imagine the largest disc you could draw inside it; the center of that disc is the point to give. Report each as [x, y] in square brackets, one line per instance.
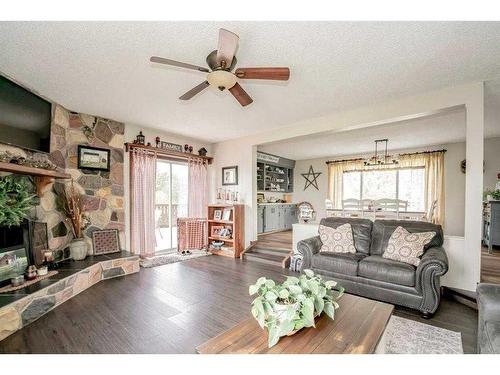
[69, 201]
[16, 200]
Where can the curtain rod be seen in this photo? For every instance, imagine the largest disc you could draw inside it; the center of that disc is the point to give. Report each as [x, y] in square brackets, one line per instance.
[404, 154]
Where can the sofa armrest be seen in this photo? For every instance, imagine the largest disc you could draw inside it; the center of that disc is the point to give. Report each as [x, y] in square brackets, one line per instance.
[433, 265]
[308, 248]
[488, 302]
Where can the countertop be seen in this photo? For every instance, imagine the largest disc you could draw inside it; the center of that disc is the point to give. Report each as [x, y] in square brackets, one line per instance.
[275, 204]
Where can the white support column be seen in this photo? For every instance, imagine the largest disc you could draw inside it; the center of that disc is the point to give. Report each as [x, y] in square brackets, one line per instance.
[474, 187]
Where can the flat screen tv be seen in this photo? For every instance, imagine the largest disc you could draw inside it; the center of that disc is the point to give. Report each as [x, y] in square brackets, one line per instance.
[24, 117]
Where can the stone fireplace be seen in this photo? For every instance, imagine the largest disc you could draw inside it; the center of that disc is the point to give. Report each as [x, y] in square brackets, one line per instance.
[102, 191]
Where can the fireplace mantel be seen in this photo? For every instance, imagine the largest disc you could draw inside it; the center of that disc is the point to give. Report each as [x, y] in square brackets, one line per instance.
[41, 177]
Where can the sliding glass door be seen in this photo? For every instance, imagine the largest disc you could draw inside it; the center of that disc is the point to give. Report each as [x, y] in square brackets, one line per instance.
[171, 202]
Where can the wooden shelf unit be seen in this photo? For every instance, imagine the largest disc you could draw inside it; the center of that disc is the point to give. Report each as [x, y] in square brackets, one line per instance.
[236, 222]
[41, 177]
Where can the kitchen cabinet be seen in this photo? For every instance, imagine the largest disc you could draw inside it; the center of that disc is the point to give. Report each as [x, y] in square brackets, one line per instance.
[260, 219]
[274, 173]
[491, 224]
[276, 217]
[271, 218]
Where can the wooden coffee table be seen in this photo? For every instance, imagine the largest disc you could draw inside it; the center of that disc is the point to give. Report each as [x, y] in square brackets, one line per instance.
[358, 326]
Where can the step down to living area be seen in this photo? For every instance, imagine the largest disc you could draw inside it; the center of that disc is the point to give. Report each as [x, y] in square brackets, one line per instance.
[273, 248]
[268, 256]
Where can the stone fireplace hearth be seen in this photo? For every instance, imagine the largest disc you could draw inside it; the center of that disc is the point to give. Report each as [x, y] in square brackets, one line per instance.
[24, 306]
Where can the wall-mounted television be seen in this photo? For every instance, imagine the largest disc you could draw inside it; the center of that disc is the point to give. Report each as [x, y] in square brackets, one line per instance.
[25, 118]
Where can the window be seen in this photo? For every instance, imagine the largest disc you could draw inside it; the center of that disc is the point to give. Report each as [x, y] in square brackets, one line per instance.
[407, 184]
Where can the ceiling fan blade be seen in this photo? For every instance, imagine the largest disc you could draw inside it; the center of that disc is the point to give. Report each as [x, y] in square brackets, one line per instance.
[161, 60]
[228, 44]
[195, 90]
[240, 95]
[278, 74]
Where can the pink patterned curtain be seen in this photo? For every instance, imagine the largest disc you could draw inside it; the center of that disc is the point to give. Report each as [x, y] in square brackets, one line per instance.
[197, 189]
[142, 193]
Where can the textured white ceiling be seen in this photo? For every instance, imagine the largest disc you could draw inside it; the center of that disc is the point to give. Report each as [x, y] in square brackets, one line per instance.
[103, 68]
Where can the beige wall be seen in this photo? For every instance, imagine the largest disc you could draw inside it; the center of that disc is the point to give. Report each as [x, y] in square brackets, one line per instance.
[454, 181]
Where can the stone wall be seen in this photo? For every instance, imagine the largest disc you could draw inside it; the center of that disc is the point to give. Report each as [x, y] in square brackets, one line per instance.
[102, 191]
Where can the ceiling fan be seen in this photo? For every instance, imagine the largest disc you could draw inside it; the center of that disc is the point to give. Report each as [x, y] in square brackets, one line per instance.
[221, 63]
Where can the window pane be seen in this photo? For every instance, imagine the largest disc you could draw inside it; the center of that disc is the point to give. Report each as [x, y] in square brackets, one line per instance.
[379, 185]
[411, 188]
[351, 185]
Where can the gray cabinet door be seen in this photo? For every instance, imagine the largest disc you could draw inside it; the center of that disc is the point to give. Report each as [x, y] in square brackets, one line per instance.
[283, 213]
[271, 219]
[260, 219]
[293, 215]
[288, 222]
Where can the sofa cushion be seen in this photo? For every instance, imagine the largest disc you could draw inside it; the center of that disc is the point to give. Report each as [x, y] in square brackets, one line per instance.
[344, 263]
[383, 229]
[361, 230]
[407, 247]
[377, 268]
[336, 240]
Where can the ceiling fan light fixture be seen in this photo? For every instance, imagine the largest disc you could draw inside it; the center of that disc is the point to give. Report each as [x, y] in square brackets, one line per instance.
[221, 79]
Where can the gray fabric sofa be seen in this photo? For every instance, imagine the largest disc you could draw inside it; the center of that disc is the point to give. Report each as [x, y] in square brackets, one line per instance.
[367, 273]
[488, 332]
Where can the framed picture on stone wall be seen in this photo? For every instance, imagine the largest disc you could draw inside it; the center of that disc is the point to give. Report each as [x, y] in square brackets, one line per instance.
[105, 241]
[93, 158]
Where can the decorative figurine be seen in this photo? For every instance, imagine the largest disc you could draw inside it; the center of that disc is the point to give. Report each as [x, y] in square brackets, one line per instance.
[190, 149]
[31, 273]
[149, 144]
[186, 148]
[141, 138]
[202, 151]
[157, 139]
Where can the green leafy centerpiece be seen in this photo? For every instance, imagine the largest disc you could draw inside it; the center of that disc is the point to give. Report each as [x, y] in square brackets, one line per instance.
[286, 308]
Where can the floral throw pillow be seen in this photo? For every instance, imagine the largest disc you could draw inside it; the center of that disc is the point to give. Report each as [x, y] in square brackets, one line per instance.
[337, 240]
[407, 247]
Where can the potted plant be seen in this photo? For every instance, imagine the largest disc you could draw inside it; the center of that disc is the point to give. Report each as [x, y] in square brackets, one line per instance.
[69, 202]
[286, 308]
[16, 200]
[491, 195]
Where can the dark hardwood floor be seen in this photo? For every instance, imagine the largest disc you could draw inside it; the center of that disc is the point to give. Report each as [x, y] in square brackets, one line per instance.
[490, 265]
[173, 309]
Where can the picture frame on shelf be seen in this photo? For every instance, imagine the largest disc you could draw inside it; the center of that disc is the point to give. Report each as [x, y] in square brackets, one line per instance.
[226, 215]
[94, 158]
[106, 241]
[226, 232]
[215, 230]
[217, 214]
[230, 175]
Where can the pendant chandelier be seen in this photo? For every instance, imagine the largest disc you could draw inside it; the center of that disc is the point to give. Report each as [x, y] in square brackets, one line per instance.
[380, 158]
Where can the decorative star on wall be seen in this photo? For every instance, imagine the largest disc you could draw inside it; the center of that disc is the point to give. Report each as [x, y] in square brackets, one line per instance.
[311, 178]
